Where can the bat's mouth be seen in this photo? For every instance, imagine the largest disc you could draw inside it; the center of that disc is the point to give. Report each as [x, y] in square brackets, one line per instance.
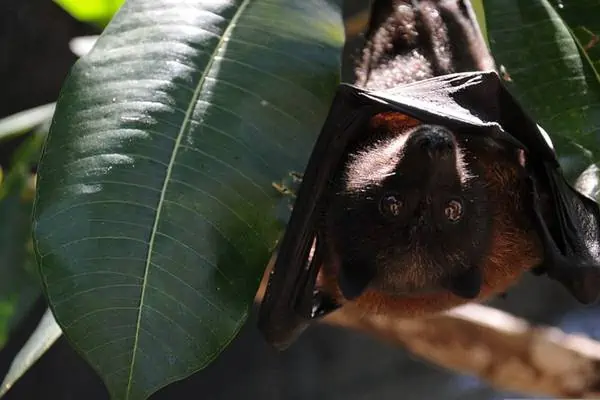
[462, 281]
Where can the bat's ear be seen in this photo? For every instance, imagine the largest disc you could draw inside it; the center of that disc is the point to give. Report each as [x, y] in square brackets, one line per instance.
[571, 239]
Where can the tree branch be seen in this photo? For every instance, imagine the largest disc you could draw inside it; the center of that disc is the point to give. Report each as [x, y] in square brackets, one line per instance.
[507, 352]
[503, 350]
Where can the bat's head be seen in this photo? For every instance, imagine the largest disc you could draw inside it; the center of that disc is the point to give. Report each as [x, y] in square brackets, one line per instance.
[418, 206]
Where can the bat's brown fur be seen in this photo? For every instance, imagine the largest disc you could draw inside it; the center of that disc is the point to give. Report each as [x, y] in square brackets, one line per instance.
[403, 46]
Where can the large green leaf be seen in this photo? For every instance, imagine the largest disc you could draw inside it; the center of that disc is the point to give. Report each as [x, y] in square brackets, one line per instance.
[549, 73]
[155, 213]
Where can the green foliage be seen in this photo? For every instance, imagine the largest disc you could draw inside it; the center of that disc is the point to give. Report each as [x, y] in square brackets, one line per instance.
[550, 71]
[480, 13]
[19, 286]
[155, 213]
[94, 11]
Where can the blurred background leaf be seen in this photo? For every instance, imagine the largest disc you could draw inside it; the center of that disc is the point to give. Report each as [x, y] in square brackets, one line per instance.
[480, 13]
[45, 335]
[25, 121]
[19, 286]
[95, 11]
[82, 45]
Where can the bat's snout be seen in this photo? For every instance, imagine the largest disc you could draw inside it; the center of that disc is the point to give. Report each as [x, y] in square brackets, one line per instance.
[432, 150]
[436, 142]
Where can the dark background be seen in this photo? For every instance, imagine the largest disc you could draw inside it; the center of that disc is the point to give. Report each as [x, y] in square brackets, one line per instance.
[326, 362]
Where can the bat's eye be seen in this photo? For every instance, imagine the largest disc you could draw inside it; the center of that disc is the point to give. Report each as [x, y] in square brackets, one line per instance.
[390, 205]
[453, 210]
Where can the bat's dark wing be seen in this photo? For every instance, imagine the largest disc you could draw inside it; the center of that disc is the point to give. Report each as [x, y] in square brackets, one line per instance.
[477, 101]
[290, 300]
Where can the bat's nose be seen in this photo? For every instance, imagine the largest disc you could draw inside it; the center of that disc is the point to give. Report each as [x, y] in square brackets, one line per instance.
[429, 157]
[430, 154]
[436, 142]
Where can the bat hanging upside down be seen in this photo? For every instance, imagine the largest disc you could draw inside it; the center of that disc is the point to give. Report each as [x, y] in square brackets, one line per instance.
[428, 187]
[422, 219]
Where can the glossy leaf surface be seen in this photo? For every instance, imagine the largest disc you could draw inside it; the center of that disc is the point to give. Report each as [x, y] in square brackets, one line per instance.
[156, 214]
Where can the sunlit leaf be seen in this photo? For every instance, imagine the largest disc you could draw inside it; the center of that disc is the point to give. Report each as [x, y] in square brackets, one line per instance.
[98, 11]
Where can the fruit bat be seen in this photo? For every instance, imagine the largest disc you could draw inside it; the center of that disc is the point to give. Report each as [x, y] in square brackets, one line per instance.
[423, 196]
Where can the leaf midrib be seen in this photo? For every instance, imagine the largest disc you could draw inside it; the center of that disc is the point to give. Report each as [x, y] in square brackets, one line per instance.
[184, 127]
